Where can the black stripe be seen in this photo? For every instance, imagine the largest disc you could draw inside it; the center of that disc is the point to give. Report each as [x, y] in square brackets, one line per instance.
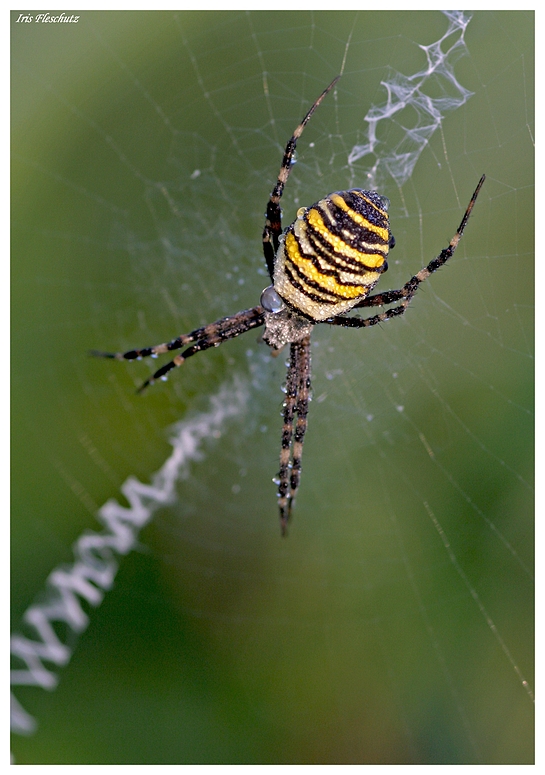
[362, 207]
[297, 285]
[323, 249]
[332, 269]
[317, 286]
[359, 234]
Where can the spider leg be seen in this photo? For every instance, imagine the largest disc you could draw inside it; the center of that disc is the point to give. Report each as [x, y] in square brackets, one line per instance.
[287, 435]
[303, 397]
[380, 299]
[211, 335]
[406, 294]
[219, 326]
[273, 216]
[217, 333]
[297, 398]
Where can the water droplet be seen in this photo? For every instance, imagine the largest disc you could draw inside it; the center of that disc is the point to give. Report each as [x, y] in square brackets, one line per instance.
[270, 300]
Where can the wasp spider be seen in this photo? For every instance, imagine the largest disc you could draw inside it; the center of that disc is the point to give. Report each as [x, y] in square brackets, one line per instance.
[323, 265]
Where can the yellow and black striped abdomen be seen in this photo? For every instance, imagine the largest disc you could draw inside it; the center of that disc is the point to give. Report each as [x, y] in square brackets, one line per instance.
[333, 254]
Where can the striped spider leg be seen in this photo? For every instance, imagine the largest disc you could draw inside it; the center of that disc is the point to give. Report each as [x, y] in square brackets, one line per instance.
[211, 335]
[295, 409]
[273, 216]
[294, 331]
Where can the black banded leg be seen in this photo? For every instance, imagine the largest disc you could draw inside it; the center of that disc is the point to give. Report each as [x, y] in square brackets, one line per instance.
[216, 335]
[179, 359]
[219, 326]
[273, 216]
[381, 299]
[287, 435]
[406, 294]
[303, 396]
[356, 322]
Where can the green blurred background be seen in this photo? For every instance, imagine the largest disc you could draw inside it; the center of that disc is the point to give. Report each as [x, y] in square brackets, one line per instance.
[144, 149]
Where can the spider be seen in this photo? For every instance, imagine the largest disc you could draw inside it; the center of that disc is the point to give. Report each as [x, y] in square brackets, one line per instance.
[323, 265]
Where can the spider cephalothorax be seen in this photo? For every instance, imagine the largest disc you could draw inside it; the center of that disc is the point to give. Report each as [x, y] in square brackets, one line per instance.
[323, 265]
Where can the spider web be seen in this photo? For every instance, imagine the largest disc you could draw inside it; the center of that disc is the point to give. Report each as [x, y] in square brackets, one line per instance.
[395, 623]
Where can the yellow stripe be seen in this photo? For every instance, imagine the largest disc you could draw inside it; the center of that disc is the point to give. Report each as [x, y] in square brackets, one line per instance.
[357, 218]
[313, 274]
[371, 260]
